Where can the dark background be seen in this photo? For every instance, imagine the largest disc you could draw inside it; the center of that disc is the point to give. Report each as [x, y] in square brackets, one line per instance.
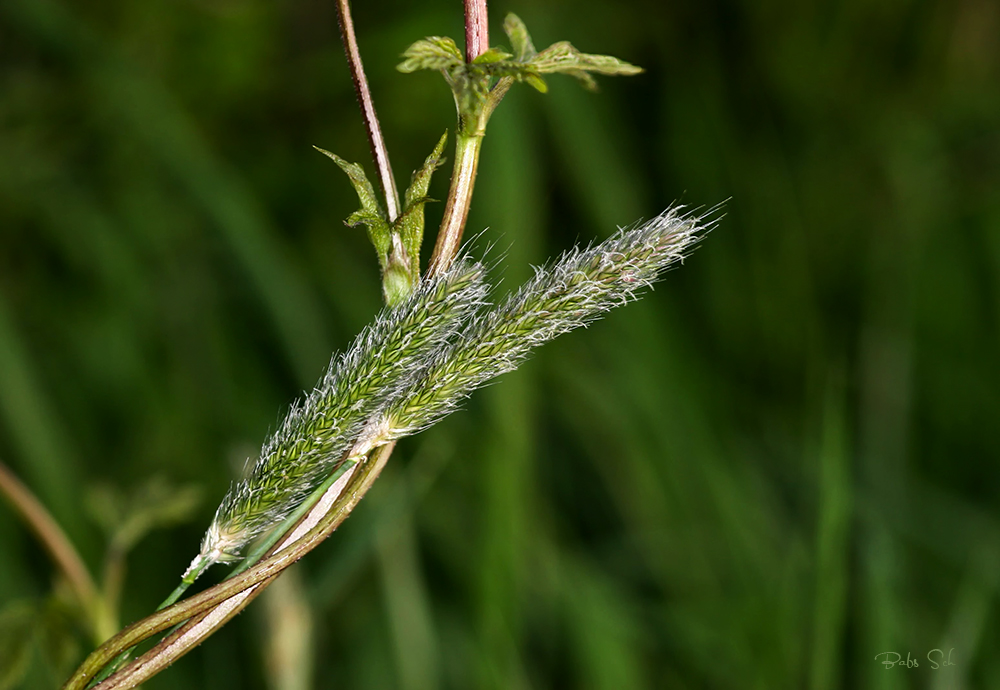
[777, 466]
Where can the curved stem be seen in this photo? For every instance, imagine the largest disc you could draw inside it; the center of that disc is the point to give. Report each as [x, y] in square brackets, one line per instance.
[172, 615]
[297, 524]
[179, 642]
[60, 550]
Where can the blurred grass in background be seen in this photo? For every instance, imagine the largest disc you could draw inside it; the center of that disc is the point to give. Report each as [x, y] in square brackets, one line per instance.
[777, 466]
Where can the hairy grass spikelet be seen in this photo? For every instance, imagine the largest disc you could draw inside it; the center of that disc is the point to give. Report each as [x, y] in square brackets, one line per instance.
[419, 360]
[572, 292]
[317, 431]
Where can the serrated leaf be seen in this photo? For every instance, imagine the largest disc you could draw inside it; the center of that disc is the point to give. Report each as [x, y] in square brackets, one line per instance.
[480, 86]
[371, 214]
[519, 37]
[564, 58]
[433, 52]
[360, 182]
[369, 220]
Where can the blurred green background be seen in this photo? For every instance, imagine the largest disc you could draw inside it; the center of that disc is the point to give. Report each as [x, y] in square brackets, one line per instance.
[777, 466]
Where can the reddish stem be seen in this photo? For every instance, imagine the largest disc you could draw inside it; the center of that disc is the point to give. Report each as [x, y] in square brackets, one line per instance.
[477, 29]
[468, 142]
[379, 151]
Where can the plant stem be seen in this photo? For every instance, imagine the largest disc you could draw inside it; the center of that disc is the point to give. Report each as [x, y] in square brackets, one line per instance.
[60, 550]
[468, 143]
[456, 210]
[379, 151]
[477, 29]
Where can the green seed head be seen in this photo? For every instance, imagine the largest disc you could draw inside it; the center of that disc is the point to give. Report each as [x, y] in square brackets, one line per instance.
[572, 292]
[321, 427]
[420, 359]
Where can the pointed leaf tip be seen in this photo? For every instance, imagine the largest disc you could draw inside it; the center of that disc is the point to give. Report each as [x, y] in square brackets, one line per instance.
[520, 39]
[410, 224]
[370, 214]
[565, 58]
[422, 177]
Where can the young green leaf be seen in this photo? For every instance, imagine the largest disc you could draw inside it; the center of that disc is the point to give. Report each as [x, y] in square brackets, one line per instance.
[563, 58]
[480, 85]
[371, 214]
[410, 224]
[433, 52]
[417, 191]
[519, 37]
[491, 56]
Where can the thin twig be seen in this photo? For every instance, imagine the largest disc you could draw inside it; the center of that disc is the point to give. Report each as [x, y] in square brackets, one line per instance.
[379, 151]
[59, 547]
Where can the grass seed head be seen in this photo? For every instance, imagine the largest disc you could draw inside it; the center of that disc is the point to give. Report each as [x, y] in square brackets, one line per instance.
[573, 291]
[311, 441]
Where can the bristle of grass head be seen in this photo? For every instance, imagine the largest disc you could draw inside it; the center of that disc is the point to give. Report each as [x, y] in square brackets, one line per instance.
[319, 429]
[573, 291]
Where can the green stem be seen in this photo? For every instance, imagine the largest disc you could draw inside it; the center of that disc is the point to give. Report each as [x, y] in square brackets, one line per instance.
[197, 567]
[471, 127]
[456, 210]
